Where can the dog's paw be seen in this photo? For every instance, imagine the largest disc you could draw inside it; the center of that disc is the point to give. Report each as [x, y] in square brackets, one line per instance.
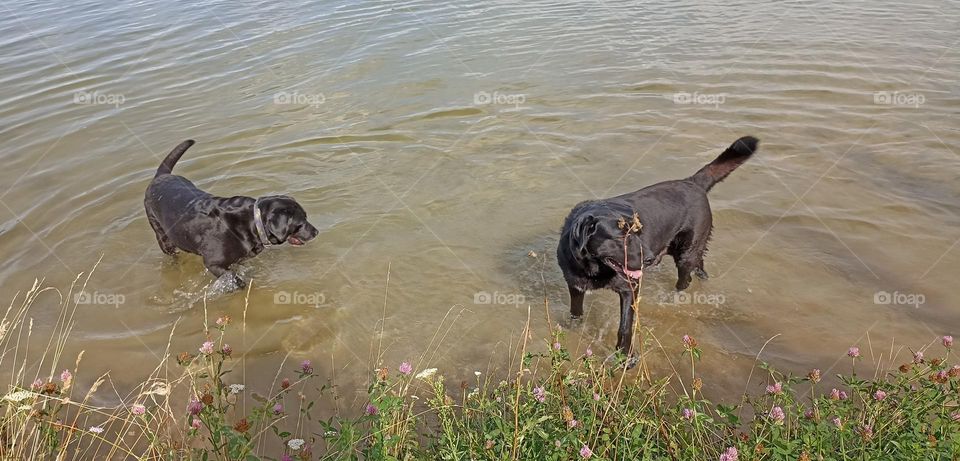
[701, 274]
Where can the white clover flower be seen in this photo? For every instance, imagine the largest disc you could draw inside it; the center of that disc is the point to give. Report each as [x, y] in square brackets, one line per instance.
[427, 374]
[295, 444]
[237, 388]
[477, 373]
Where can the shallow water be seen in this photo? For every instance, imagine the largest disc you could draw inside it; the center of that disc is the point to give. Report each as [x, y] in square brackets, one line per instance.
[437, 146]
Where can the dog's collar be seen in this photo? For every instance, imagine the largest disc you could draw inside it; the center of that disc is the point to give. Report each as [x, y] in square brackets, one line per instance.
[258, 223]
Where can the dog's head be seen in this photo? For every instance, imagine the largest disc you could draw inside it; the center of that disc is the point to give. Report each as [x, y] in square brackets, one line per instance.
[597, 241]
[286, 221]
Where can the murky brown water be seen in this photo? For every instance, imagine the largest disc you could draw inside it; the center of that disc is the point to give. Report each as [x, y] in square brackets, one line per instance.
[435, 146]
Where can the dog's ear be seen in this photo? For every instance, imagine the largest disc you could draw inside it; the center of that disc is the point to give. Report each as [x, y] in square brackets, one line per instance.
[583, 229]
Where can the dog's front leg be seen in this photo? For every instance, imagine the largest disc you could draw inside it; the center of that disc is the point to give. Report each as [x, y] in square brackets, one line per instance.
[222, 271]
[576, 302]
[625, 332]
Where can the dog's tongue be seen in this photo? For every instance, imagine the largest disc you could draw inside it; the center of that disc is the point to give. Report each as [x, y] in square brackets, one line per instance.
[633, 274]
[294, 241]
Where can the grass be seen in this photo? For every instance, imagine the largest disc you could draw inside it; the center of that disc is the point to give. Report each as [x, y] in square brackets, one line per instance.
[550, 405]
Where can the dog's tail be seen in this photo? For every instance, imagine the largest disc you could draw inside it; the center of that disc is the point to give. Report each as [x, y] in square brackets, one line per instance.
[735, 155]
[167, 166]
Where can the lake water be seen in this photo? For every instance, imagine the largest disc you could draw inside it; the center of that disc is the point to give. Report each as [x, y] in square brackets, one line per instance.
[438, 147]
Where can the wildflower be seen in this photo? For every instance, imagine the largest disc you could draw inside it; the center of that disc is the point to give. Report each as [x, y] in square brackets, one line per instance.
[843, 395]
[954, 371]
[285, 383]
[589, 352]
[488, 444]
[226, 350]
[286, 458]
[814, 375]
[96, 429]
[556, 346]
[427, 374]
[66, 377]
[306, 368]
[730, 454]
[206, 348]
[371, 410]
[138, 409]
[195, 424]
[278, 408]
[586, 452]
[836, 422]
[37, 385]
[939, 377]
[776, 413]
[295, 444]
[596, 397]
[556, 443]
[572, 423]
[865, 431]
[879, 395]
[223, 321]
[406, 368]
[382, 373]
[809, 414]
[948, 341]
[237, 388]
[688, 414]
[477, 374]
[918, 357]
[955, 416]
[853, 352]
[689, 342]
[697, 383]
[194, 407]
[905, 367]
[207, 399]
[241, 426]
[775, 389]
[540, 394]
[184, 358]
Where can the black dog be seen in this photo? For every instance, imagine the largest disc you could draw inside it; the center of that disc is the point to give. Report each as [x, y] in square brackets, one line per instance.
[596, 251]
[224, 230]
